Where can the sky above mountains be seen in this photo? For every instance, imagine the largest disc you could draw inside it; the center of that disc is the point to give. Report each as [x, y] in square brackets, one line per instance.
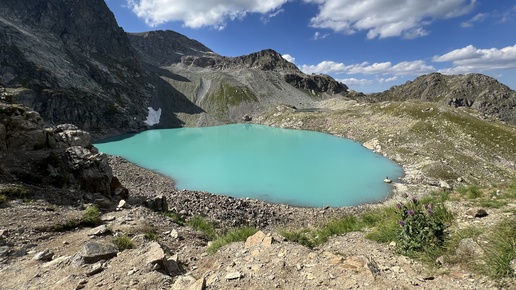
[370, 45]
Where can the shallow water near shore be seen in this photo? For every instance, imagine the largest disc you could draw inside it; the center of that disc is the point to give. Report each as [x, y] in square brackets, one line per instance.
[301, 168]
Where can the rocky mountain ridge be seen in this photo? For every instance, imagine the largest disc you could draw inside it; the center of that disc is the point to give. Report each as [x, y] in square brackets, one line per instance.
[475, 91]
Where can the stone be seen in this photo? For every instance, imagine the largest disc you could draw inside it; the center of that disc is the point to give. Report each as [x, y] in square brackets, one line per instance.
[155, 258]
[174, 234]
[4, 251]
[45, 255]
[98, 231]
[254, 240]
[200, 284]
[158, 203]
[183, 282]
[233, 275]
[481, 213]
[477, 212]
[95, 269]
[468, 247]
[361, 264]
[94, 251]
[444, 184]
[121, 204]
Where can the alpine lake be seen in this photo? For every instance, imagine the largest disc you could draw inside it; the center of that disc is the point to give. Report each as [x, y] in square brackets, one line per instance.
[296, 167]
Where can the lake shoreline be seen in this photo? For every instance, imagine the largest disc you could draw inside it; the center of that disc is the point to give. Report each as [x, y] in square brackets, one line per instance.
[227, 211]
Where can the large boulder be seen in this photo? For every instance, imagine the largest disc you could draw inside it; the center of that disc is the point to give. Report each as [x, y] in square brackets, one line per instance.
[61, 156]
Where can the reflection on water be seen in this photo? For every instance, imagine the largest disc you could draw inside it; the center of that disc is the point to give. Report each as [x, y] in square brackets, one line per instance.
[278, 165]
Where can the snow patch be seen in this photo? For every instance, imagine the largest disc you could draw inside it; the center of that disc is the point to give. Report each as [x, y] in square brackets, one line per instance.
[153, 116]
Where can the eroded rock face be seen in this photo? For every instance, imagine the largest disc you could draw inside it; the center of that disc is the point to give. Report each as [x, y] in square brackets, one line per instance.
[63, 156]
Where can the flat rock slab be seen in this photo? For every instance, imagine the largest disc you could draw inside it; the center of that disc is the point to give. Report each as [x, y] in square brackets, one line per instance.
[94, 251]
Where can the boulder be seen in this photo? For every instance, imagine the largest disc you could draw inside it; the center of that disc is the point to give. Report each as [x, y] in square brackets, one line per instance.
[469, 248]
[45, 255]
[158, 203]
[94, 251]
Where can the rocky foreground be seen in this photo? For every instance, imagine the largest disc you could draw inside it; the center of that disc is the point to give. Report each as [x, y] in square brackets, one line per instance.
[40, 250]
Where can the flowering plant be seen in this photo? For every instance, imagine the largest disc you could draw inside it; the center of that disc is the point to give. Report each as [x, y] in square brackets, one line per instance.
[422, 226]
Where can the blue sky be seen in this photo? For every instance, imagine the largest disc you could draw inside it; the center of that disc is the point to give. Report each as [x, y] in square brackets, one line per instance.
[370, 45]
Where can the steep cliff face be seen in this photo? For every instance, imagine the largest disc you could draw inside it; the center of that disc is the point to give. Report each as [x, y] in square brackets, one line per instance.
[476, 91]
[163, 48]
[71, 62]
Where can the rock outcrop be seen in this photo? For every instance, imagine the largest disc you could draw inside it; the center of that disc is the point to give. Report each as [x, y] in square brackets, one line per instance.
[62, 156]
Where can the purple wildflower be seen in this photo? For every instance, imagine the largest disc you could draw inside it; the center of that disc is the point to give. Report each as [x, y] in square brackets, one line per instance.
[426, 205]
[414, 199]
[398, 205]
[410, 212]
[402, 223]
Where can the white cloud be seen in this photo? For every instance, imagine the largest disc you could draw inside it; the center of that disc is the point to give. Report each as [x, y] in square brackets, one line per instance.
[477, 18]
[403, 68]
[318, 35]
[355, 82]
[472, 59]
[199, 13]
[381, 18]
[289, 58]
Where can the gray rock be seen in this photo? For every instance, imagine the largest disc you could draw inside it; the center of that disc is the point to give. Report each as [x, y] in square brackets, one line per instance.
[95, 269]
[98, 231]
[45, 255]
[158, 203]
[468, 247]
[233, 275]
[4, 251]
[94, 251]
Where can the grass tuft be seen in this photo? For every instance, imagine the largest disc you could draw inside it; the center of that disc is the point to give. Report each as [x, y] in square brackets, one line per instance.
[203, 225]
[237, 235]
[176, 218]
[501, 250]
[123, 242]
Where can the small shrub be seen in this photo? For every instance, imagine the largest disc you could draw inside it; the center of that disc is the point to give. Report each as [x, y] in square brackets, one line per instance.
[422, 226]
[15, 191]
[301, 237]
[123, 242]
[201, 224]
[91, 217]
[176, 218]
[238, 235]
[151, 233]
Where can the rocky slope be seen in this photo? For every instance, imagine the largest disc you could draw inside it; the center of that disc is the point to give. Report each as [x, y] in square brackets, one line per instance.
[227, 89]
[71, 62]
[479, 92]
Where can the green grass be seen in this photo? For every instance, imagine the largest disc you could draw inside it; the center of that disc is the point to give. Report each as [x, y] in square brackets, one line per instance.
[15, 191]
[90, 218]
[123, 242]
[501, 250]
[237, 235]
[176, 218]
[203, 225]
[151, 233]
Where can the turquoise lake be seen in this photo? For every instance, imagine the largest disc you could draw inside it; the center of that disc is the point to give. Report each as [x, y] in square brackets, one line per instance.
[302, 168]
